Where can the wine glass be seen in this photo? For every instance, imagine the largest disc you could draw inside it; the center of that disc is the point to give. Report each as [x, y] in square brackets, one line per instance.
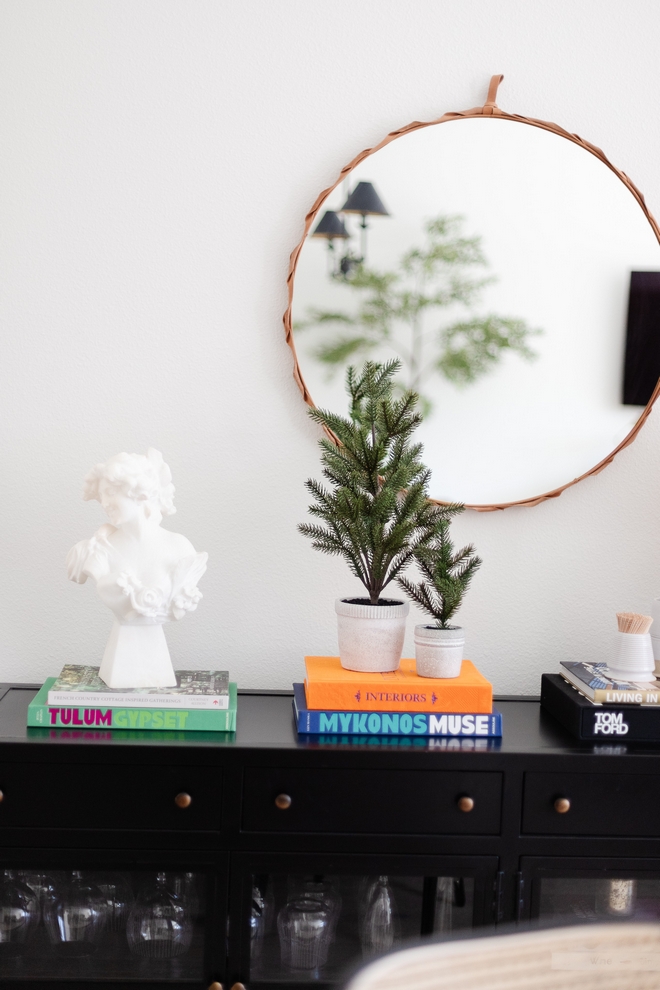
[379, 928]
[159, 926]
[19, 913]
[186, 887]
[75, 915]
[263, 895]
[118, 896]
[444, 910]
[42, 883]
[257, 924]
[304, 929]
[318, 888]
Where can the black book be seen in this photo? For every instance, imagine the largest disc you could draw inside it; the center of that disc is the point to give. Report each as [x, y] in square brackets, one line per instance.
[585, 720]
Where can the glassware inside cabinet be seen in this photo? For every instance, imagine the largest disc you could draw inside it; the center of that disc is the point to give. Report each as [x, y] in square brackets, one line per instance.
[160, 924]
[600, 898]
[101, 925]
[454, 904]
[75, 915]
[19, 914]
[311, 928]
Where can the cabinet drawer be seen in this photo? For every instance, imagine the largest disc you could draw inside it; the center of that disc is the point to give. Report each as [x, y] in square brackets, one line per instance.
[600, 804]
[97, 796]
[384, 801]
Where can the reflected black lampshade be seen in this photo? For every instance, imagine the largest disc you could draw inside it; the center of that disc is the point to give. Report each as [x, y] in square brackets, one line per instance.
[330, 225]
[365, 200]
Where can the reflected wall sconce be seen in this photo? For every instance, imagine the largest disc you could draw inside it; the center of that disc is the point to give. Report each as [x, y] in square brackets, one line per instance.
[363, 201]
[331, 227]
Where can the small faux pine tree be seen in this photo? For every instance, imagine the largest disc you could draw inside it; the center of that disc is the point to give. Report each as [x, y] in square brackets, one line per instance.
[375, 505]
[448, 574]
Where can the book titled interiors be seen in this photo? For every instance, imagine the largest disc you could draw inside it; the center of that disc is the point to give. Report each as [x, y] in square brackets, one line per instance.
[81, 686]
[314, 722]
[598, 685]
[62, 716]
[330, 687]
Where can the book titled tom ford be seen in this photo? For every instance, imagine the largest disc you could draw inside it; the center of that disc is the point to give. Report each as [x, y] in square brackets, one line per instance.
[81, 685]
[603, 723]
[330, 687]
[60, 715]
[314, 722]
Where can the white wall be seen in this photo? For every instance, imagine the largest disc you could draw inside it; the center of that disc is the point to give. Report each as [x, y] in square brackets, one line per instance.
[158, 157]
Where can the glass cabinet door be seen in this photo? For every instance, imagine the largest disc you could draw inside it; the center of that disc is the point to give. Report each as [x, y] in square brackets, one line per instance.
[593, 890]
[67, 920]
[306, 920]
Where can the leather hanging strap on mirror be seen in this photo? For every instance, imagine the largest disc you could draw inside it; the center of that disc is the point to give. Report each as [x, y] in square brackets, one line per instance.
[490, 108]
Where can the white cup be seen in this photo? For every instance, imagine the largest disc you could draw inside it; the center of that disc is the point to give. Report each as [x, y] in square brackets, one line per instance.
[633, 657]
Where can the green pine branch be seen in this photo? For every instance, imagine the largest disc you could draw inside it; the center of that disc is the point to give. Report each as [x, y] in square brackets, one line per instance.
[373, 509]
[447, 573]
[396, 310]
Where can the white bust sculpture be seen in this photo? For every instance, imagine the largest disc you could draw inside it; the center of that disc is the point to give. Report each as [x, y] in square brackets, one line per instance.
[145, 574]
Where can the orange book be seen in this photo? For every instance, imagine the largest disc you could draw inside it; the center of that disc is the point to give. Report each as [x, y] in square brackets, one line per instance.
[329, 686]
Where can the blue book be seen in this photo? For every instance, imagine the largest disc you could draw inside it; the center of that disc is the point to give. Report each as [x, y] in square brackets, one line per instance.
[312, 722]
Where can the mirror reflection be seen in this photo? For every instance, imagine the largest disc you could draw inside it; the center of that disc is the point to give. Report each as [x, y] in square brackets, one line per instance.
[494, 259]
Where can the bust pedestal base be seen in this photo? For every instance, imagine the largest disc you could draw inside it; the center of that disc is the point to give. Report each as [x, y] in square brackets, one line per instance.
[137, 657]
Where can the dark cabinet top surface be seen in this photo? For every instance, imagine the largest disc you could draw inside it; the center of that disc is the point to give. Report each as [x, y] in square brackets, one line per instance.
[265, 723]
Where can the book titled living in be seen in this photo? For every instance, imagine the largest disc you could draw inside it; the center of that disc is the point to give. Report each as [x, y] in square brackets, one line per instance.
[81, 686]
[316, 722]
[62, 716]
[596, 683]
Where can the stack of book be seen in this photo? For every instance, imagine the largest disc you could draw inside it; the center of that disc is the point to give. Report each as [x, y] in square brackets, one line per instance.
[335, 701]
[591, 704]
[201, 701]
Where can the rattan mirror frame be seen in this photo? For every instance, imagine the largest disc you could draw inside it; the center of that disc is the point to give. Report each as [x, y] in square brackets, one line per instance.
[488, 110]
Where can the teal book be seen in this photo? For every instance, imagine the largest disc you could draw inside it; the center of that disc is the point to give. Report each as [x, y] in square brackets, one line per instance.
[468, 724]
[45, 715]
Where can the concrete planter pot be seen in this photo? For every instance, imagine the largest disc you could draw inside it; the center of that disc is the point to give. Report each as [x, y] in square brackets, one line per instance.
[371, 636]
[439, 652]
[633, 658]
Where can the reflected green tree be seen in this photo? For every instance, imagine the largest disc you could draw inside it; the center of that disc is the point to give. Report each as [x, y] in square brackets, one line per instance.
[400, 311]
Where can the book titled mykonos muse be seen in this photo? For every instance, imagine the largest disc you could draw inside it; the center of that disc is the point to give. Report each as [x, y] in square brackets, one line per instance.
[81, 685]
[468, 724]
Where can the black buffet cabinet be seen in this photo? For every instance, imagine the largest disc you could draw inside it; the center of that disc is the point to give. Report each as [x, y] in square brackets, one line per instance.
[264, 859]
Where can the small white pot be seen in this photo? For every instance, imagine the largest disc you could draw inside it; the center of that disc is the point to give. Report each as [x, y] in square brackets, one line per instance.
[439, 652]
[633, 657]
[370, 636]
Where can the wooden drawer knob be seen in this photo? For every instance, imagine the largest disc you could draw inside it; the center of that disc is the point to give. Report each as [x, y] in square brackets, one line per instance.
[2, 797]
[183, 800]
[465, 803]
[238, 986]
[562, 805]
[282, 801]
[215, 985]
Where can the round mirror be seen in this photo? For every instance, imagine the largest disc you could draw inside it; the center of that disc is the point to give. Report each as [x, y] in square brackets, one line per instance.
[514, 273]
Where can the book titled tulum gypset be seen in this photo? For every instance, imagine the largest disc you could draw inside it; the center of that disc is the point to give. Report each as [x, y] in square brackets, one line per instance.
[61, 715]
